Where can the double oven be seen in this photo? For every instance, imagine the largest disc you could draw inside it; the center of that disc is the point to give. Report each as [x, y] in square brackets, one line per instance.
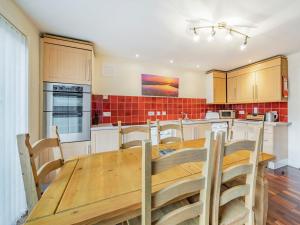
[68, 106]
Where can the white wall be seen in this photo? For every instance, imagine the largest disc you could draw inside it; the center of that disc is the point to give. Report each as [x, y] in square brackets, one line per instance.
[294, 110]
[126, 77]
[15, 15]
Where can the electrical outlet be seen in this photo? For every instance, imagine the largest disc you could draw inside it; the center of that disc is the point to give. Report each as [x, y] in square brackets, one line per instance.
[105, 97]
[106, 114]
[151, 113]
[241, 112]
[163, 113]
[158, 113]
[255, 110]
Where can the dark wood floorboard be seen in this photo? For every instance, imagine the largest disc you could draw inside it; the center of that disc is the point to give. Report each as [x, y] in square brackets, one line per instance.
[284, 196]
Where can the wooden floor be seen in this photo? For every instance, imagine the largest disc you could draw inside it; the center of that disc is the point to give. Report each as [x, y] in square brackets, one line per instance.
[284, 196]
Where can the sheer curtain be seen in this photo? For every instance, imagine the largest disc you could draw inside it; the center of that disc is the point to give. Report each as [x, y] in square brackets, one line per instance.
[13, 119]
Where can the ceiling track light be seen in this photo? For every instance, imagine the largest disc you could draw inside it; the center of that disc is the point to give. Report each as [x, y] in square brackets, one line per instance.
[196, 36]
[212, 34]
[224, 26]
[228, 36]
[244, 45]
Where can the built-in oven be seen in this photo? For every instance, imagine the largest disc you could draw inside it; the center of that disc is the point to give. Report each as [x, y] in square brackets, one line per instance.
[68, 106]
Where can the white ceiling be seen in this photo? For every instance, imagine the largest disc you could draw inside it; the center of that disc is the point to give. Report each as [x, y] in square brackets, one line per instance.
[157, 29]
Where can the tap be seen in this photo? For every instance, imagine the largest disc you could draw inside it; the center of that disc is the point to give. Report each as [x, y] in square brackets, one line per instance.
[184, 116]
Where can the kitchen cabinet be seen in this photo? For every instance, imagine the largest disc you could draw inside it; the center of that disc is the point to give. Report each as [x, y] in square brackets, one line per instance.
[195, 131]
[231, 89]
[216, 87]
[245, 130]
[66, 61]
[259, 82]
[76, 149]
[275, 139]
[268, 84]
[104, 140]
[244, 87]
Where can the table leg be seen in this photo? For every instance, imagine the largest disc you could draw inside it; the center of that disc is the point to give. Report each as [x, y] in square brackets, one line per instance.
[261, 197]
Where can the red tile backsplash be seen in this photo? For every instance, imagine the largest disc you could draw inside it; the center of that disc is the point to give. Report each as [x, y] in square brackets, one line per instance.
[134, 109]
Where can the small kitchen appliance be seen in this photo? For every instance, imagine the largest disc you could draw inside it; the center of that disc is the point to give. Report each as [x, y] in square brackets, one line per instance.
[210, 115]
[271, 116]
[227, 114]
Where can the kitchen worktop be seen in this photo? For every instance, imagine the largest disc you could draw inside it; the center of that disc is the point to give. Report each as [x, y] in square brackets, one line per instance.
[265, 122]
[110, 126]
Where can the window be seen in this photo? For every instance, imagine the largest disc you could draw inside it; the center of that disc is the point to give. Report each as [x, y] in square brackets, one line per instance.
[13, 119]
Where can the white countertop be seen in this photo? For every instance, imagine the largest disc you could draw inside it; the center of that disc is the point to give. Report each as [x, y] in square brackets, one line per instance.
[265, 122]
[109, 126]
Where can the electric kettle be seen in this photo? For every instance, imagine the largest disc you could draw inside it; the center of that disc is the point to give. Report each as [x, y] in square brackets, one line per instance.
[271, 116]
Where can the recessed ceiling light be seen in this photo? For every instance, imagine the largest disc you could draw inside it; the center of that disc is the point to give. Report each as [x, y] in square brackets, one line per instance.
[250, 61]
[171, 61]
[197, 66]
[137, 56]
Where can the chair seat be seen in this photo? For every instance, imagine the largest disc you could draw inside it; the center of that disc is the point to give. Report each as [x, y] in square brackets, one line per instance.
[234, 213]
[159, 213]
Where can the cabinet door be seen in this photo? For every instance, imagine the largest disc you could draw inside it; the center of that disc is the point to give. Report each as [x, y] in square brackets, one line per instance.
[67, 64]
[268, 84]
[219, 90]
[252, 132]
[188, 132]
[245, 88]
[201, 130]
[75, 149]
[239, 131]
[231, 89]
[105, 140]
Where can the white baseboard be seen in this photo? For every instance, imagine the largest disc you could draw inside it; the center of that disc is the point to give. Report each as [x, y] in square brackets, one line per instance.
[277, 164]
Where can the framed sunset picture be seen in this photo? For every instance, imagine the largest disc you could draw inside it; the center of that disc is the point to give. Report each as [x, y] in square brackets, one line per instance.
[154, 85]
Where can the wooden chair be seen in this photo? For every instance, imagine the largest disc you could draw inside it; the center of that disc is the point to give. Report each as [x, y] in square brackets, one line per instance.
[177, 211]
[33, 150]
[176, 127]
[132, 129]
[229, 207]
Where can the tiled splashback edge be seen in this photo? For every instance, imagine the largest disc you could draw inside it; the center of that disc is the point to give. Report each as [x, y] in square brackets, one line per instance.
[135, 109]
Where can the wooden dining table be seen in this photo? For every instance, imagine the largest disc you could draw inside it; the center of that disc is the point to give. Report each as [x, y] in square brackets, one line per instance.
[105, 188]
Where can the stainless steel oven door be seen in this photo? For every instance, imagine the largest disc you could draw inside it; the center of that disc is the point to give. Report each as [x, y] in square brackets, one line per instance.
[72, 126]
[66, 101]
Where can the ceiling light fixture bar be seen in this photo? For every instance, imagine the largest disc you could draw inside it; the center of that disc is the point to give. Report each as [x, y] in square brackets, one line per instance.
[223, 26]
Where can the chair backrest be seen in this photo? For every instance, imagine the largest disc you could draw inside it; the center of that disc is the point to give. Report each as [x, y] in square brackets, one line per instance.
[133, 129]
[248, 169]
[34, 150]
[176, 191]
[177, 127]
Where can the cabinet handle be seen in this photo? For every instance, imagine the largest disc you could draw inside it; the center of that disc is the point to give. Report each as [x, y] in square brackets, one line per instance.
[256, 91]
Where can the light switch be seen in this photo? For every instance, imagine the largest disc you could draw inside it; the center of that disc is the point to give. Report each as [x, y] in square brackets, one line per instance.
[158, 113]
[163, 113]
[106, 114]
[151, 113]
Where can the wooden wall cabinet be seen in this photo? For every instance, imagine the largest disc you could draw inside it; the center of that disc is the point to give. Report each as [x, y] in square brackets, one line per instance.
[260, 82]
[216, 87]
[66, 61]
